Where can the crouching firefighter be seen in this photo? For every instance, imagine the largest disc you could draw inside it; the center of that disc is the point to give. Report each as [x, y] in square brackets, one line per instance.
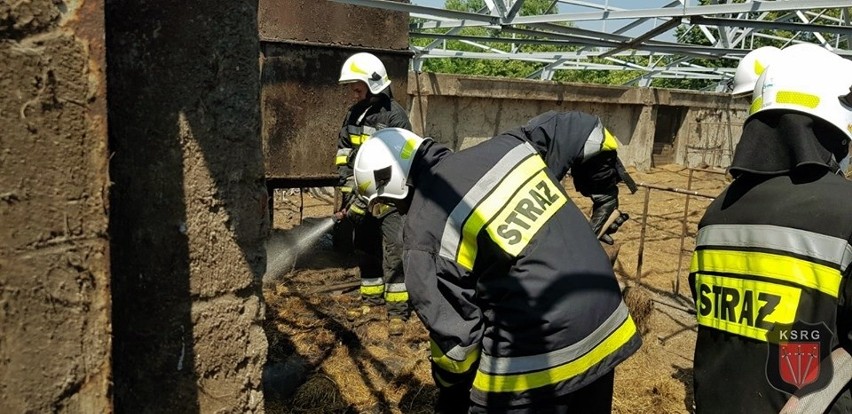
[523, 310]
[376, 235]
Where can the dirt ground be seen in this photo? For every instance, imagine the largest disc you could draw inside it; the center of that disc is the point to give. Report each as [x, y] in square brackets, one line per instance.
[321, 363]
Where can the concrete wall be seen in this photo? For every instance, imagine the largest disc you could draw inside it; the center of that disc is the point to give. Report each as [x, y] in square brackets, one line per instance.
[54, 255]
[187, 206]
[463, 110]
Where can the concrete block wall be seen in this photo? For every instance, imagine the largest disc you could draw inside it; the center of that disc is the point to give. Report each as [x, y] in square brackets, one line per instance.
[463, 110]
[54, 250]
[187, 206]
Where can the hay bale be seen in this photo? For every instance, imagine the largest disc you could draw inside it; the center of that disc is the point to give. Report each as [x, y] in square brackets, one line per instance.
[318, 394]
[640, 304]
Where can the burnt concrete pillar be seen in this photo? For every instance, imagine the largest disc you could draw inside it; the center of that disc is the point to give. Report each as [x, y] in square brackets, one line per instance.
[54, 256]
[187, 207]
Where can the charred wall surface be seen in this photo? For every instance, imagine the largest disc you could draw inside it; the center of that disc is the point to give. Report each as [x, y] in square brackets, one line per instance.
[188, 203]
[303, 44]
[54, 251]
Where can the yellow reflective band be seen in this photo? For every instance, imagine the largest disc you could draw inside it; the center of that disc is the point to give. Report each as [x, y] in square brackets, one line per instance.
[345, 189]
[357, 210]
[756, 104]
[492, 205]
[379, 209]
[758, 68]
[377, 290]
[521, 382]
[451, 365]
[362, 188]
[609, 142]
[797, 98]
[354, 68]
[341, 160]
[536, 202]
[784, 268]
[396, 297]
[744, 307]
[408, 149]
[356, 139]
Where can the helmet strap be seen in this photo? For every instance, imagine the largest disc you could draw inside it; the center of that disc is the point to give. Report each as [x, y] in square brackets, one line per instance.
[846, 99]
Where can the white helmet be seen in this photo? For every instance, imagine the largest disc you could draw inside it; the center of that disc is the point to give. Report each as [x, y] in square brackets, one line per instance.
[365, 67]
[750, 68]
[807, 51]
[820, 86]
[383, 162]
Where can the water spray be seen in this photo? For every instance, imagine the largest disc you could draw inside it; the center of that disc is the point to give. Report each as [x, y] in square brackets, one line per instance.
[282, 252]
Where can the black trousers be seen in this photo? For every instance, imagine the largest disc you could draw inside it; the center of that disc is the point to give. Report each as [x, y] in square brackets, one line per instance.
[378, 242]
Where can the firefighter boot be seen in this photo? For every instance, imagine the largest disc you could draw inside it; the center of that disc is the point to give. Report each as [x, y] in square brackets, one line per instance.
[396, 326]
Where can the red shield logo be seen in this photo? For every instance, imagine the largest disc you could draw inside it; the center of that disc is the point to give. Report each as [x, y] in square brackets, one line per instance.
[798, 362]
[798, 357]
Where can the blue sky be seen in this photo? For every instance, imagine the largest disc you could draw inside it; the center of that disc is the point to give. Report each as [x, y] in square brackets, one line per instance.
[607, 26]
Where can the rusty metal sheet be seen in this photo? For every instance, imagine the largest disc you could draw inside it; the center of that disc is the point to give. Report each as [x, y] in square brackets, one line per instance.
[302, 106]
[329, 23]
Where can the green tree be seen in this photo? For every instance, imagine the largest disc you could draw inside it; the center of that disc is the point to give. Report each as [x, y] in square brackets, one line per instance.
[508, 68]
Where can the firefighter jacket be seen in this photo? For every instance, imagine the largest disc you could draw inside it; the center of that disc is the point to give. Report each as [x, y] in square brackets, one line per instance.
[362, 120]
[503, 269]
[770, 277]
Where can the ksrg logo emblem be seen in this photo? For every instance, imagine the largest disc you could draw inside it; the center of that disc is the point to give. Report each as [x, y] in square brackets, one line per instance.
[799, 357]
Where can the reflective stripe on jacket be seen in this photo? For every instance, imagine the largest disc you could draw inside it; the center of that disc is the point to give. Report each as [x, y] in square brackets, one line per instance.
[772, 257]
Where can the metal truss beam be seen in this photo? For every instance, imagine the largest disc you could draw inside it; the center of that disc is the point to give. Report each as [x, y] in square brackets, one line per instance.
[731, 29]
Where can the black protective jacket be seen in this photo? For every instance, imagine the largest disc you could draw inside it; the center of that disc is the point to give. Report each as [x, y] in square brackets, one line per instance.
[770, 273]
[362, 120]
[367, 116]
[519, 298]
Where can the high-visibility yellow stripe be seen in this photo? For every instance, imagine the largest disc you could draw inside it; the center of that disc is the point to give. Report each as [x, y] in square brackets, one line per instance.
[797, 98]
[408, 149]
[775, 266]
[396, 296]
[356, 210]
[372, 290]
[609, 142]
[756, 104]
[452, 365]
[758, 67]
[363, 186]
[744, 307]
[358, 139]
[539, 199]
[492, 205]
[354, 68]
[341, 160]
[452, 234]
[522, 382]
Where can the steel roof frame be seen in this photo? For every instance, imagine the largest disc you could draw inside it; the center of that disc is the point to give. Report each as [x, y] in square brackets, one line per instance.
[729, 28]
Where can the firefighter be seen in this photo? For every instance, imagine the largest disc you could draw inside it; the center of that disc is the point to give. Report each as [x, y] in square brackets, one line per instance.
[771, 268]
[377, 234]
[523, 309]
